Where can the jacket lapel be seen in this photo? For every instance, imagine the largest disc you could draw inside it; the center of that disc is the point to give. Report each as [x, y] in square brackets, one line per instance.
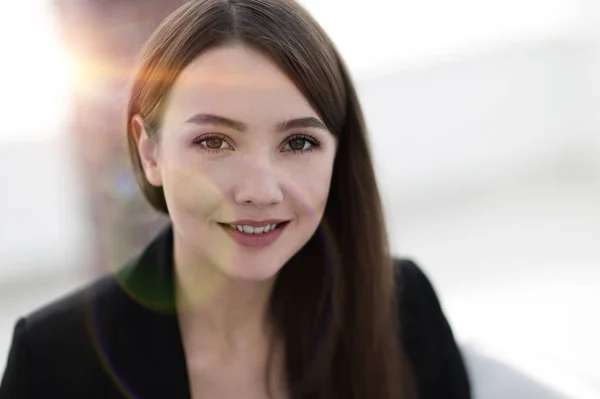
[148, 353]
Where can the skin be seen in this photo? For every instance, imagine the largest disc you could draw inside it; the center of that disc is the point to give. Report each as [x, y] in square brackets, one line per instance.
[212, 173]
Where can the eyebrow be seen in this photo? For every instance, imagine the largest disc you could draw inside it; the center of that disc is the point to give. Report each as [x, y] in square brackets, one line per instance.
[307, 122]
[212, 119]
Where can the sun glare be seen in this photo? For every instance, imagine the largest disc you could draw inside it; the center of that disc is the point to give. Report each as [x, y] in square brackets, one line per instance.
[34, 73]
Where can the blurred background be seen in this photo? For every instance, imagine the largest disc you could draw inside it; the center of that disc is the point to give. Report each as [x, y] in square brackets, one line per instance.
[485, 129]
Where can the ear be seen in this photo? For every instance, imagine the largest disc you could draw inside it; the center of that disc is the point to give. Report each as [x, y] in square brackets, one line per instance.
[147, 151]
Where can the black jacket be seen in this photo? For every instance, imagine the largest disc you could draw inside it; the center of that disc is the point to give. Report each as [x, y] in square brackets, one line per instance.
[119, 338]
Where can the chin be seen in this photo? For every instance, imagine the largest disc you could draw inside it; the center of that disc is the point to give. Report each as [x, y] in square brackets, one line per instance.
[253, 271]
[256, 264]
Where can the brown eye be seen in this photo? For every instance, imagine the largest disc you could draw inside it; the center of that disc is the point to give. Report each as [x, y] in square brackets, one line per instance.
[214, 143]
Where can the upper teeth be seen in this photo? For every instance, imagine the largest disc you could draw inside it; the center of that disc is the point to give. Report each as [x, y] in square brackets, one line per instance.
[252, 229]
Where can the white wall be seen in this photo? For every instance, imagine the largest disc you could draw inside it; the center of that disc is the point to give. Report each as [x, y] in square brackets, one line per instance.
[475, 117]
[43, 229]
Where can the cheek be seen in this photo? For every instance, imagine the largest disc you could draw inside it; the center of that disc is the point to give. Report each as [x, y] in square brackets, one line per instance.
[310, 183]
[194, 202]
[189, 192]
[189, 184]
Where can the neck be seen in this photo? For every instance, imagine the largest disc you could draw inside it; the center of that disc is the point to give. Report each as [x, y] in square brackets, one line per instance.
[215, 305]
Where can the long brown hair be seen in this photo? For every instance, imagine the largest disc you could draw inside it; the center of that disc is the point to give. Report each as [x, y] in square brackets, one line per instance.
[334, 301]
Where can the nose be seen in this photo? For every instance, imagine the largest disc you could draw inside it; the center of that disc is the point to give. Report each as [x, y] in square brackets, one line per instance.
[257, 184]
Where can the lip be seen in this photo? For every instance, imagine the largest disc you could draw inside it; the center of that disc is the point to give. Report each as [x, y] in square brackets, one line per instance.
[255, 240]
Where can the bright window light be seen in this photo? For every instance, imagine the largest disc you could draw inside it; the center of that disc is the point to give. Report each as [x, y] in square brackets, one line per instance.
[33, 73]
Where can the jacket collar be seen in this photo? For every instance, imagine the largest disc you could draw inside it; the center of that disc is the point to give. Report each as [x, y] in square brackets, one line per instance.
[149, 279]
[149, 359]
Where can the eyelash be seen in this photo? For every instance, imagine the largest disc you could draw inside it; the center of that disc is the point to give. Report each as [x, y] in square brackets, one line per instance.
[197, 142]
[315, 144]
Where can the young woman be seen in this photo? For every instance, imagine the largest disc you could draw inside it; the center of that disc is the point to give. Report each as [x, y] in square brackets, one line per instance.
[274, 279]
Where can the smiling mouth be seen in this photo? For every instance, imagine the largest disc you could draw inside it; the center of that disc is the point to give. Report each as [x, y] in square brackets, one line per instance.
[254, 230]
[256, 235]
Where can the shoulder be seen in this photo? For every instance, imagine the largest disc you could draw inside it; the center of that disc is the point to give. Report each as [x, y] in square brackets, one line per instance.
[64, 317]
[427, 337]
[70, 347]
[415, 291]
[422, 321]
[73, 304]
[60, 345]
[412, 282]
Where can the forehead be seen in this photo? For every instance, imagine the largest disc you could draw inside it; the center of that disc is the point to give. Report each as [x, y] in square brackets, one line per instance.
[238, 81]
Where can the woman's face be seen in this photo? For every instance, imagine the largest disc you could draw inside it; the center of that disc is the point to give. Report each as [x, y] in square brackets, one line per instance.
[244, 161]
